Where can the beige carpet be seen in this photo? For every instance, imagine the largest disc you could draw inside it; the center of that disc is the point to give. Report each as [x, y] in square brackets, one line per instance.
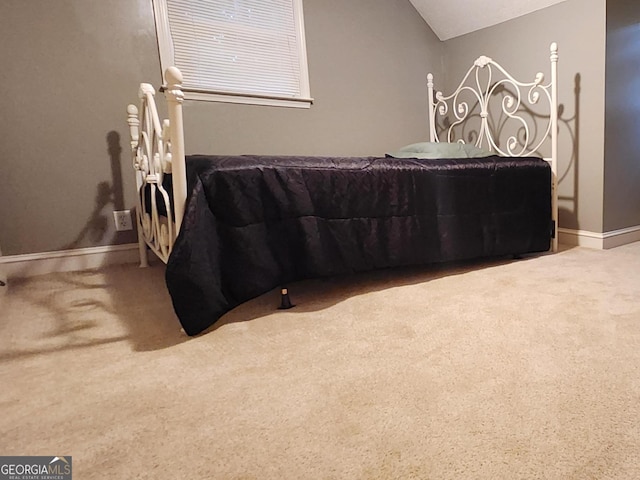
[523, 369]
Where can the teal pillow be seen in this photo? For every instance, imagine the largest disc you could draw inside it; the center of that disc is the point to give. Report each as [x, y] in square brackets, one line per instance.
[435, 150]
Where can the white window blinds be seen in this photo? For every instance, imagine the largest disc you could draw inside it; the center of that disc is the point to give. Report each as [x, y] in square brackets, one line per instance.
[251, 51]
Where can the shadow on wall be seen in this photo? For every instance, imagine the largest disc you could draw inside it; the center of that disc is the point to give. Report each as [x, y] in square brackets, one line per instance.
[107, 195]
[84, 309]
[568, 210]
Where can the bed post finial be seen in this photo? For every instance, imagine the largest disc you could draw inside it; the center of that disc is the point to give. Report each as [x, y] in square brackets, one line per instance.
[430, 80]
[134, 125]
[554, 52]
[174, 75]
[174, 79]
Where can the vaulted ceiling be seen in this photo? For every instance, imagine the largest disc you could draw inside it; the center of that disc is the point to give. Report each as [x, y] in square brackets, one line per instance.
[452, 18]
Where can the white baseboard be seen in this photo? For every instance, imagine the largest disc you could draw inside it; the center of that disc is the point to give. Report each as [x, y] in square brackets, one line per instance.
[600, 241]
[28, 265]
[621, 237]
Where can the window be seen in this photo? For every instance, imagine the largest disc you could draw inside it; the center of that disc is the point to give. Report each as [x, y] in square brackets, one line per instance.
[243, 51]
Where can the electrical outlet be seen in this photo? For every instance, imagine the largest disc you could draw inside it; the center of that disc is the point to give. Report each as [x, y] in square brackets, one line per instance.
[122, 219]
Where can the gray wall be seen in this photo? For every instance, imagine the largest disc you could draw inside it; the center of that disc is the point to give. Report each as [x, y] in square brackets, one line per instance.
[71, 68]
[522, 46]
[368, 62]
[622, 128]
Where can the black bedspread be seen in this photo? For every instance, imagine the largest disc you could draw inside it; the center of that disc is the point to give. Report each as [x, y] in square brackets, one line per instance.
[254, 223]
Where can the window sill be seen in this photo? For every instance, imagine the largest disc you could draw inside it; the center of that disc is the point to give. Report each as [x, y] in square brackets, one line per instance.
[192, 94]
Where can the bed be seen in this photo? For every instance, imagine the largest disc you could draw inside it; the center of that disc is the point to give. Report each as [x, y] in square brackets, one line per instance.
[231, 228]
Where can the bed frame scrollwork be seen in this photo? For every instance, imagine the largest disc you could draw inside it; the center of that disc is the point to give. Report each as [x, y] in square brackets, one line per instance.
[527, 117]
[157, 150]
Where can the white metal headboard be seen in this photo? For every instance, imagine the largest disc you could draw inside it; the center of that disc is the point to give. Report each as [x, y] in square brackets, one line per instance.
[483, 84]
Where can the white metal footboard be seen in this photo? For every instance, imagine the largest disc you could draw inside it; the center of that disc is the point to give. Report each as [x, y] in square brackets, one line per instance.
[518, 115]
[158, 149]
